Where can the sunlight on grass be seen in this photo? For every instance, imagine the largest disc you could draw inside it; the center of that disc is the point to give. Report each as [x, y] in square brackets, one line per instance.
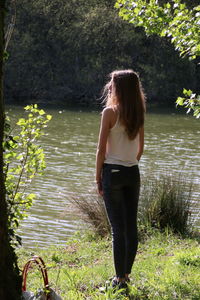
[166, 267]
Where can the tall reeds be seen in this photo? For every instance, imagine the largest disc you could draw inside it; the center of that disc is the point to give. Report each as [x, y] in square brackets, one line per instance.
[92, 211]
[166, 202]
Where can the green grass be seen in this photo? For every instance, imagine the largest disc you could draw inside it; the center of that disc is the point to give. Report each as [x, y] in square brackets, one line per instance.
[166, 267]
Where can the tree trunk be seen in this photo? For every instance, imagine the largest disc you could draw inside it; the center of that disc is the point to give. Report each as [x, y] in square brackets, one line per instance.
[10, 280]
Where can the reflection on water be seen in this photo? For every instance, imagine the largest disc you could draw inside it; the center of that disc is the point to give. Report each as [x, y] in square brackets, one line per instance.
[171, 146]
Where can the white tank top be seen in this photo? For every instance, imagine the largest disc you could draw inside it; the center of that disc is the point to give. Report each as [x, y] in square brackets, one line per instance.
[120, 149]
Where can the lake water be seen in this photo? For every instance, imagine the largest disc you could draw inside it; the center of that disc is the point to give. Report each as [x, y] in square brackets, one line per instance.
[171, 146]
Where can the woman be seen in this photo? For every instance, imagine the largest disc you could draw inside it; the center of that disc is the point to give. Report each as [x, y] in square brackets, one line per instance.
[120, 146]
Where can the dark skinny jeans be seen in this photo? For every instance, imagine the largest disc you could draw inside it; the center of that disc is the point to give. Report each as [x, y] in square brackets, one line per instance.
[121, 187]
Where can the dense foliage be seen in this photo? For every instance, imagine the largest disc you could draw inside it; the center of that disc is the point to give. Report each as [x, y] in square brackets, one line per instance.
[179, 20]
[173, 19]
[61, 52]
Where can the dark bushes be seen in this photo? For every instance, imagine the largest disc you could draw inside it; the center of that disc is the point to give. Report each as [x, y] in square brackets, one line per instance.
[61, 52]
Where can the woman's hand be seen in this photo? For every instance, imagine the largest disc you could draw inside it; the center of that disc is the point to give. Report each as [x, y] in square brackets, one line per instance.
[99, 188]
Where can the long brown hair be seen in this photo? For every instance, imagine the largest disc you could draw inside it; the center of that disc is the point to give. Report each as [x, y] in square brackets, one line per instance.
[124, 93]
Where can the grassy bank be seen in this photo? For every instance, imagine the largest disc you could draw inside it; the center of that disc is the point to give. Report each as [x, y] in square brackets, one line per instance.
[167, 267]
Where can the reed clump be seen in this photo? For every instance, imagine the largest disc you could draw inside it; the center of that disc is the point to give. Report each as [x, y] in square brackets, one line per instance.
[92, 211]
[166, 202]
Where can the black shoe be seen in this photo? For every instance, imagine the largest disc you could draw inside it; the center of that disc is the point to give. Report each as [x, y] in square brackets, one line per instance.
[123, 285]
[116, 284]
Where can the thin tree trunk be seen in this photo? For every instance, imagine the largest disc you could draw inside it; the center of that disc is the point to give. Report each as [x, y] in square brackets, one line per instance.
[10, 281]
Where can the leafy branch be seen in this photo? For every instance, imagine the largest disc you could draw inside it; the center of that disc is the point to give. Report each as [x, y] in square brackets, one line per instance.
[173, 20]
[191, 101]
[23, 159]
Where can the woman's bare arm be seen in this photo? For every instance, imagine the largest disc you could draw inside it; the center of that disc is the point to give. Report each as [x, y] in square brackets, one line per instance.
[101, 148]
[141, 143]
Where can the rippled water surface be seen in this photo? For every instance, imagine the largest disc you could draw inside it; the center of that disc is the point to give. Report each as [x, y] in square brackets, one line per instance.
[171, 146]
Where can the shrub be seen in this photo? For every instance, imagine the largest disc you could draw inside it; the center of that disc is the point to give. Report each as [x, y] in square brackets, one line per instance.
[23, 159]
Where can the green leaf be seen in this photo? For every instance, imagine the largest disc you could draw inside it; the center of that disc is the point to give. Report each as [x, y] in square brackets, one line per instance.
[41, 112]
[187, 92]
[180, 101]
[30, 196]
[21, 121]
[49, 117]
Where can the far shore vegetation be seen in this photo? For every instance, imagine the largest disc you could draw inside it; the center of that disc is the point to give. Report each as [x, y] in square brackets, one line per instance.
[61, 52]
